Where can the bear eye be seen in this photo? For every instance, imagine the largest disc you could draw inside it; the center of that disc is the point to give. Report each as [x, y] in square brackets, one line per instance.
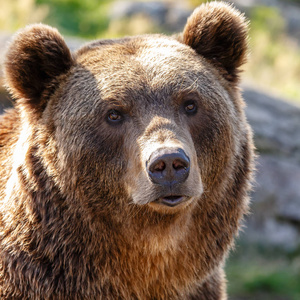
[114, 116]
[190, 107]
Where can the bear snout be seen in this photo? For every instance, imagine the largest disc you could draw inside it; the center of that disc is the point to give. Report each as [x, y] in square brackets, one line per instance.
[168, 166]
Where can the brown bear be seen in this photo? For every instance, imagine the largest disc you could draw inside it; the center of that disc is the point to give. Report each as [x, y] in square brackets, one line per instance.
[125, 166]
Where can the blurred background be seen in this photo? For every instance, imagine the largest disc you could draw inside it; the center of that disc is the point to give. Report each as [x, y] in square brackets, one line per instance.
[266, 262]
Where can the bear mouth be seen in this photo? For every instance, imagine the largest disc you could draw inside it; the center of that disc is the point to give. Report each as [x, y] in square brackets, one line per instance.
[172, 200]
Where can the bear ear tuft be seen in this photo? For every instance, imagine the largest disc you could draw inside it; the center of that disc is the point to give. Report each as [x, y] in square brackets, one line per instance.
[219, 33]
[35, 57]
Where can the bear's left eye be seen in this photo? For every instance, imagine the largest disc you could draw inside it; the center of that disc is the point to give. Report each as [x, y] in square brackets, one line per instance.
[114, 116]
[190, 107]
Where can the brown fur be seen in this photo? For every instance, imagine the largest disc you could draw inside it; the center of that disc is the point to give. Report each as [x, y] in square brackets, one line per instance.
[78, 217]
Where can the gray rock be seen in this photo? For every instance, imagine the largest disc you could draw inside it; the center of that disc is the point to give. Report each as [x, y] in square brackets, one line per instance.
[154, 9]
[5, 102]
[170, 16]
[275, 218]
[276, 124]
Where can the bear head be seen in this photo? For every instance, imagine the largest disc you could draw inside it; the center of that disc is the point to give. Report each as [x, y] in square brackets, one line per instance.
[148, 123]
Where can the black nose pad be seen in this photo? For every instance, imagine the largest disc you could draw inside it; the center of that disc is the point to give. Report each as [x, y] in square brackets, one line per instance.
[168, 166]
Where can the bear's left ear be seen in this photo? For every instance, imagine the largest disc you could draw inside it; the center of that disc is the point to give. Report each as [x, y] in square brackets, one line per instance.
[37, 55]
[218, 32]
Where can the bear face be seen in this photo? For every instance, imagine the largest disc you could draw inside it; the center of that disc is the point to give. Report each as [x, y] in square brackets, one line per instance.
[131, 161]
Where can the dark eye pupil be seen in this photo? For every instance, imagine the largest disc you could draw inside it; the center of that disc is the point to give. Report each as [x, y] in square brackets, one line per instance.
[114, 116]
[190, 107]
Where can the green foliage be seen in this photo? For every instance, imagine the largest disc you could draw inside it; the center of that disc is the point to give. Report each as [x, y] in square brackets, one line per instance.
[18, 13]
[268, 19]
[86, 18]
[259, 273]
[195, 3]
[274, 62]
[279, 282]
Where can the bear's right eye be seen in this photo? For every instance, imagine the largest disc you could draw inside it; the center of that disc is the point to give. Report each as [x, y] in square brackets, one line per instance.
[114, 116]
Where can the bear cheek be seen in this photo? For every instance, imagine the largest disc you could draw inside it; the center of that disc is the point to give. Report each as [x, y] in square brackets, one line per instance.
[214, 152]
[95, 158]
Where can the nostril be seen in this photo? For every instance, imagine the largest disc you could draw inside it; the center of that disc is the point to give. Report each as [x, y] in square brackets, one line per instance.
[158, 167]
[179, 165]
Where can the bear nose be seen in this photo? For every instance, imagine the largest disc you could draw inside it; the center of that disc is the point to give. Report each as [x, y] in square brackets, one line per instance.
[168, 166]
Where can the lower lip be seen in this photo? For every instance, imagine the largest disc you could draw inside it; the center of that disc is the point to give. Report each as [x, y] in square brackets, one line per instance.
[171, 201]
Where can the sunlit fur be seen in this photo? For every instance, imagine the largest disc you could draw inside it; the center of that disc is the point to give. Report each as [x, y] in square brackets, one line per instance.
[78, 213]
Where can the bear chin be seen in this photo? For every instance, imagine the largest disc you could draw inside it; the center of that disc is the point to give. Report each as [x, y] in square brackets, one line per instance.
[172, 204]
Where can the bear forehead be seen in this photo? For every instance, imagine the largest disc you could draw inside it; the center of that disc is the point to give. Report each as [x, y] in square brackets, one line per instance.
[145, 65]
[151, 56]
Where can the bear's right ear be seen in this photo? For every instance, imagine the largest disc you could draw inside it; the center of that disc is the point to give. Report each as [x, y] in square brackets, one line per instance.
[36, 56]
[218, 32]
